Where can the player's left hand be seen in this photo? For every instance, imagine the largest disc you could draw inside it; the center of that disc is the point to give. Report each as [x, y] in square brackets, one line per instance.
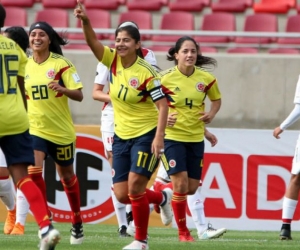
[157, 147]
[206, 117]
[277, 131]
[56, 87]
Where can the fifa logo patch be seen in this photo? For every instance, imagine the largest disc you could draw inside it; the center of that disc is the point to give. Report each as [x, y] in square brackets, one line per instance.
[134, 82]
[50, 74]
[200, 87]
[172, 163]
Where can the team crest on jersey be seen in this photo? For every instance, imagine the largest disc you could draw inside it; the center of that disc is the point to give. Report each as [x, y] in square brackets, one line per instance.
[172, 163]
[134, 82]
[50, 74]
[200, 87]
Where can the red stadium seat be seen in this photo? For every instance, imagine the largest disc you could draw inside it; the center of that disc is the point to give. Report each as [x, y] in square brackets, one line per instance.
[18, 3]
[217, 22]
[103, 4]
[203, 49]
[59, 3]
[283, 51]
[153, 5]
[292, 25]
[243, 50]
[176, 20]
[142, 18]
[12, 13]
[231, 5]
[274, 6]
[188, 5]
[100, 19]
[77, 46]
[259, 22]
[57, 18]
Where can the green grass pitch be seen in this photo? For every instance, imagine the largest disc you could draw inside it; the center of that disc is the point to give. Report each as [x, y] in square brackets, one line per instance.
[105, 237]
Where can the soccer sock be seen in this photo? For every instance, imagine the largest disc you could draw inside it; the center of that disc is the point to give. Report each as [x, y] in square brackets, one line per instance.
[288, 210]
[36, 174]
[140, 212]
[71, 188]
[120, 210]
[196, 208]
[154, 197]
[22, 208]
[179, 209]
[35, 200]
[7, 193]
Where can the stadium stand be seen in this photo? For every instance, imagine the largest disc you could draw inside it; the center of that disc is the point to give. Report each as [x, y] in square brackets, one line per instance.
[12, 13]
[283, 51]
[188, 5]
[175, 20]
[242, 50]
[153, 5]
[59, 3]
[231, 5]
[103, 4]
[100, 19]
[18, 3]
[50, 15]
[292, 25]
[219, 21]
[274, 6]
[259, 22]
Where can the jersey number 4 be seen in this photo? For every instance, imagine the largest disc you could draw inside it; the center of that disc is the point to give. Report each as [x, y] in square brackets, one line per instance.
[5, 61]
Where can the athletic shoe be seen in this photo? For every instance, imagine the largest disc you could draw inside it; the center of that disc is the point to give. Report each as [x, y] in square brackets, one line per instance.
[76, 234]
[186, 237]
[50, 239]
[129, 217]
[130, 229]
[285, 234]
[10, 221]
[18, 229]
[122, 231]
[211, 233]
[136, 245]
[166, 213]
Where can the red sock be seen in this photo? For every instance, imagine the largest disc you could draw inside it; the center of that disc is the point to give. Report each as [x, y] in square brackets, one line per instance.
[36, 174]
[140, 213]
[179, 209]
[154, 197]
[71, 188]
[35, 200]
[168, 185]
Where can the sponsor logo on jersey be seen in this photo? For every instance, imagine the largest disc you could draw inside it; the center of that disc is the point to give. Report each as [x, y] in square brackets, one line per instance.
[177, 89]
[50, 74]
[134, 82]
[200, 87]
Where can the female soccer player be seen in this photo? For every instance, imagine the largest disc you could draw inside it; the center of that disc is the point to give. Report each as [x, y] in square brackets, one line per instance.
[140, 116]
[107, 133]
[51, 80]
[15, 140]
[187, 86]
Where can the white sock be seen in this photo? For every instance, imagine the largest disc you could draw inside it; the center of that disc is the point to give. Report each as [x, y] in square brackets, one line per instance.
[128, 208]
[120, 210]
[7, 193]
[22, 208]
[196, 207]
[288, 208]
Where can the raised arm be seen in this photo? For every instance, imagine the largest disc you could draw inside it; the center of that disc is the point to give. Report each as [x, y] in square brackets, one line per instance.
[89, 34]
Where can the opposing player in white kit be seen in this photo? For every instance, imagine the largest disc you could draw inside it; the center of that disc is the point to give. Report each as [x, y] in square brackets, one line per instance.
[290, 200]
[195, 203]
[107, 132]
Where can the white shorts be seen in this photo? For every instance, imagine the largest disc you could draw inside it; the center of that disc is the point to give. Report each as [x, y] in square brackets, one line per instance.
[162, 173]
[296, 159]
[107, 128]
[2, 159]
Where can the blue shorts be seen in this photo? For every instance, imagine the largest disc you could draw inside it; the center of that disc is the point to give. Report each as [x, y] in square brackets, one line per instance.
[133, 155]
[63, 155]
[17, 149]
[183, 156]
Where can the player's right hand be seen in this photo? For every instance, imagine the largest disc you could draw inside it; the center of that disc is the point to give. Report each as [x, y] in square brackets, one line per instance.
[79, 11]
